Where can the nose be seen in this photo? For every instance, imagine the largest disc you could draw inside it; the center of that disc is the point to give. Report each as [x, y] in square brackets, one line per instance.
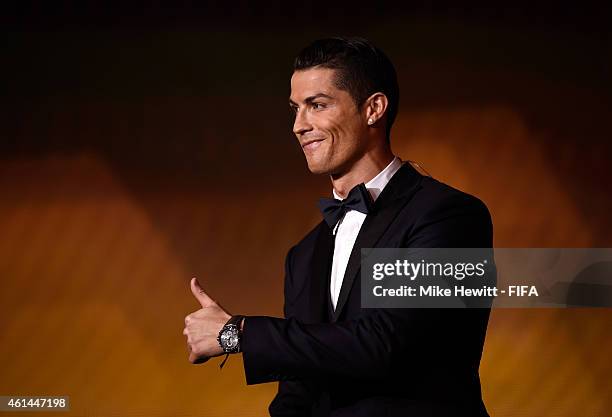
[301, 124]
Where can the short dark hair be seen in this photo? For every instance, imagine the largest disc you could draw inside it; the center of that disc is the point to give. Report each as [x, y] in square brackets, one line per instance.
[362, 69]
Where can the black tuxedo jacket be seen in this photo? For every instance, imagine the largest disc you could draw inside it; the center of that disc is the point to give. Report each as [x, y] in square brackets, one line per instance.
[375, 362]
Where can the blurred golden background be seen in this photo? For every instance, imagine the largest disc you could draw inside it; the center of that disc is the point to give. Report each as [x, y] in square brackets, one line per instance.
[141, 148]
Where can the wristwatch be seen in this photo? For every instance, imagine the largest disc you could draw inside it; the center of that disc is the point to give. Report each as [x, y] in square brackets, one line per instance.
[230, 335]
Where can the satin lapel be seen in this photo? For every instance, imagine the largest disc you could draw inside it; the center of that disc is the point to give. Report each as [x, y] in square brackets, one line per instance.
[319, 281]
[395, 195]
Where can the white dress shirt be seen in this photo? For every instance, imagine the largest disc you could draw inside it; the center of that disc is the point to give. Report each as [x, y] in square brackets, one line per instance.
[348, 227]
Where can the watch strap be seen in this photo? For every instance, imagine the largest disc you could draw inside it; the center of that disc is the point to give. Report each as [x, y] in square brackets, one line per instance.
[234, 321]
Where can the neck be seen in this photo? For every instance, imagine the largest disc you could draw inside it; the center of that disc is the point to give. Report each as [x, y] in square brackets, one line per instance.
[362, 170]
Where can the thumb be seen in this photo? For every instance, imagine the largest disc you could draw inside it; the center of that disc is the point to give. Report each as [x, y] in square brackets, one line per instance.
[199, 294]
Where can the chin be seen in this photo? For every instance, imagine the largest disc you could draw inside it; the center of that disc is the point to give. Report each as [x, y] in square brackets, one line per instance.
[317, 167]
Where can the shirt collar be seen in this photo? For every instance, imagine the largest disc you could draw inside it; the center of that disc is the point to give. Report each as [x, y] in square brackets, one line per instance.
[378, 183]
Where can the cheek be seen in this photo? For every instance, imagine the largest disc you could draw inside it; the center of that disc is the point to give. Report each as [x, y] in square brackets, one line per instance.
[346, 135]
[339, 128]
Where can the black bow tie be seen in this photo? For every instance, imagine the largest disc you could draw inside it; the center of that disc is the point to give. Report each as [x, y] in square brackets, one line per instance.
[358, 199]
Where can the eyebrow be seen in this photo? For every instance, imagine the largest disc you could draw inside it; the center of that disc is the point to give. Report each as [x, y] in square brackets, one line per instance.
[310, 99]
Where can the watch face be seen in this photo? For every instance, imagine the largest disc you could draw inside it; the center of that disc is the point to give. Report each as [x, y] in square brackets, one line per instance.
[229, 338]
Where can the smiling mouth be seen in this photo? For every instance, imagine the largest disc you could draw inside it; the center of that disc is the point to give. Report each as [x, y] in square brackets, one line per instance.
[312, 145]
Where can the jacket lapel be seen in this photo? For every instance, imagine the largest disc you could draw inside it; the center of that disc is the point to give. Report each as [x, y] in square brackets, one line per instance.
[395, 195]
[319, 280]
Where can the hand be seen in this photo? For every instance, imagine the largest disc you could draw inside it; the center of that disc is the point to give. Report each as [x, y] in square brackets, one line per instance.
[203, 326]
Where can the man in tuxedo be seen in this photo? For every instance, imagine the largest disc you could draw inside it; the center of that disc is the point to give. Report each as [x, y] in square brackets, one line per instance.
[331, 356]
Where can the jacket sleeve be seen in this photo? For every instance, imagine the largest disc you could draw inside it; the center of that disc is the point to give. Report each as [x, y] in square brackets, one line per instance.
[371, 344]
[294, 398]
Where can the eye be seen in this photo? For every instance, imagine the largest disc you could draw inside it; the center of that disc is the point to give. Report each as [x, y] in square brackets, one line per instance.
[318, 106]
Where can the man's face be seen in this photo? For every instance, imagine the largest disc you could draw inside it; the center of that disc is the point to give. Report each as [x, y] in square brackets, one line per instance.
[328, 124]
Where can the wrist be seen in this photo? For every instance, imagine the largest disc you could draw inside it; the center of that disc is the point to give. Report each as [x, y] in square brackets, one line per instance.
[230, 335]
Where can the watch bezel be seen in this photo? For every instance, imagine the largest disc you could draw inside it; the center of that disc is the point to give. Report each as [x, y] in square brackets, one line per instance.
[235, 332]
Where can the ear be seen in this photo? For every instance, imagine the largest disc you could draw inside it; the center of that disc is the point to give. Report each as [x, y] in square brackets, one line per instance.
[375, 107]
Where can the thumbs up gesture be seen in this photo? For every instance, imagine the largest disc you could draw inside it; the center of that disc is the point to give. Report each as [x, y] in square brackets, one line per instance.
[203, 326]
